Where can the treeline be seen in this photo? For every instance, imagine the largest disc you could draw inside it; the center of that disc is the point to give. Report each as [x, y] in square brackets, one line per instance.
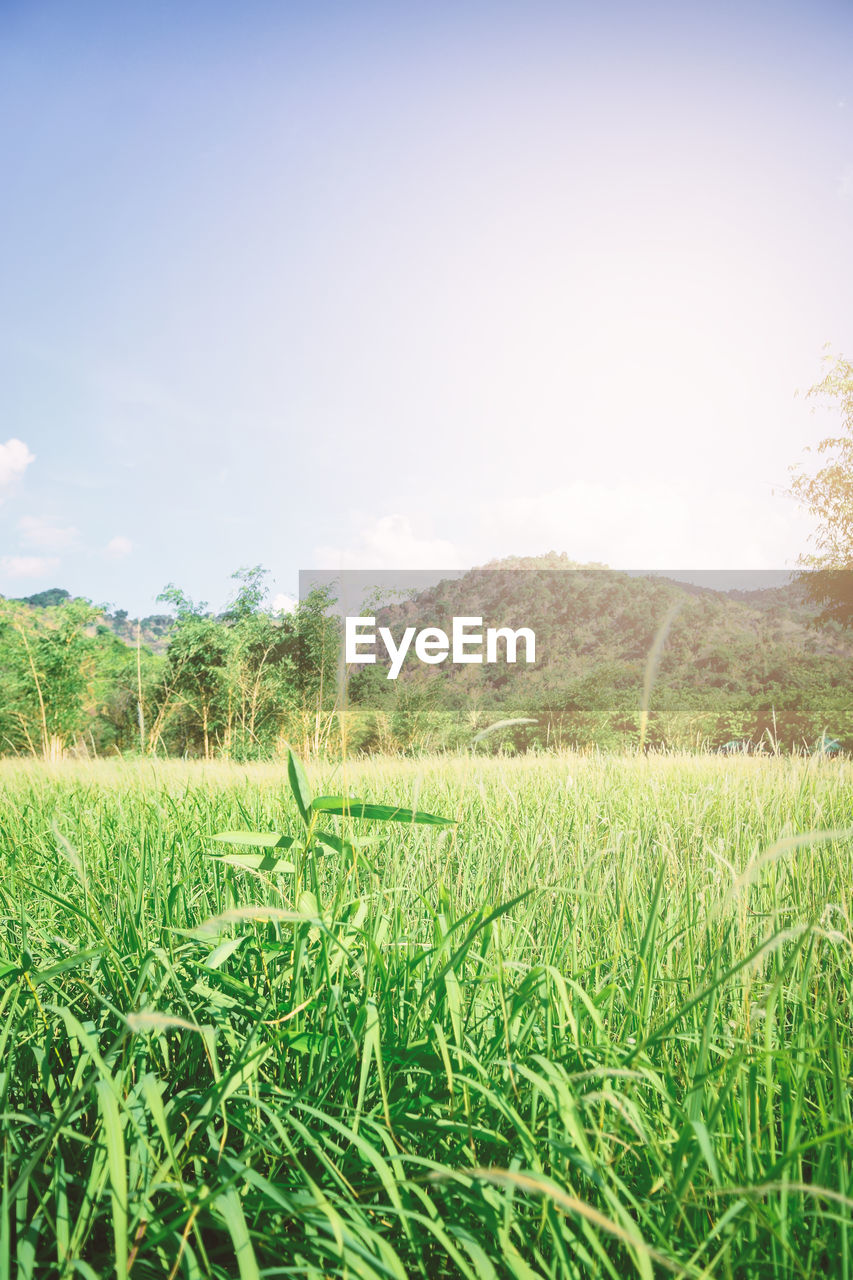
[238, 685]
[243, 683]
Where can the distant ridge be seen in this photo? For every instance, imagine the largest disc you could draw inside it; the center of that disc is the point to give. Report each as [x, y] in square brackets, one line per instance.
[745, 660]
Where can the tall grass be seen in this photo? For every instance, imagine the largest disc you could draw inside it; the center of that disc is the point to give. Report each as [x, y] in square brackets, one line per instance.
[599, 1027]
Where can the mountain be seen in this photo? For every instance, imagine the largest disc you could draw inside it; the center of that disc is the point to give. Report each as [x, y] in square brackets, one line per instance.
[731, 664]
[153, 630]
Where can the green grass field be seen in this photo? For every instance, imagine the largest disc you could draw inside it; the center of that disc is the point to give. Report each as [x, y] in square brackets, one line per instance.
[601, 1026]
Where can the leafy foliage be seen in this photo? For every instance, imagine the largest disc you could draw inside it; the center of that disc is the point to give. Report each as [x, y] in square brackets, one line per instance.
[47, 665]
[828, 496]
[246, 683]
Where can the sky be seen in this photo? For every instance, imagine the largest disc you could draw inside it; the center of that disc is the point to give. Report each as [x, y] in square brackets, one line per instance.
[359, 285]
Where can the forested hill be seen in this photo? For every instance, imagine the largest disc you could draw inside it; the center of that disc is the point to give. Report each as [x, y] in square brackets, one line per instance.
[593, 613]
[151, 631]
[733, 664]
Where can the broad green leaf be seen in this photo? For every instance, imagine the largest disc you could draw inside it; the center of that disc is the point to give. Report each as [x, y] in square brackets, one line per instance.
[228, 1204]
[706, 1146]
[350, 848]
[72, 962]
[255, 861]
[350, 845]
[343, 807]
[85, 1270]
[308, 904]
[454, 1004]
[220, 953]
[299, 786]
[257, 839]
[114, 1137]
[371, 1048]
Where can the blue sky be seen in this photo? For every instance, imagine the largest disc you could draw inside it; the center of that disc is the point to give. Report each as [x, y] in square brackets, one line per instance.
[379, 286]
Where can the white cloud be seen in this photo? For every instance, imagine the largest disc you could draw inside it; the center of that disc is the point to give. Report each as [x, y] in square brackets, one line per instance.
[28, 566]
[390, 542]
[648, 526]
[38, 533]
[15, 457]
[625, 524]
[282, 603]
[119, 547]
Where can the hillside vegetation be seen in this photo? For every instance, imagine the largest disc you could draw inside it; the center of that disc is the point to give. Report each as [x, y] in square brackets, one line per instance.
[755, 669]
[745, 669]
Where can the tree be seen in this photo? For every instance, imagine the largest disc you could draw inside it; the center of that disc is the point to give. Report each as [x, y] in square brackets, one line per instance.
[828, 495]
[126, 678]
[255, 664]
[194, 673]
[314, 641]
[47, 669]
[250, 595]
[47, 599]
